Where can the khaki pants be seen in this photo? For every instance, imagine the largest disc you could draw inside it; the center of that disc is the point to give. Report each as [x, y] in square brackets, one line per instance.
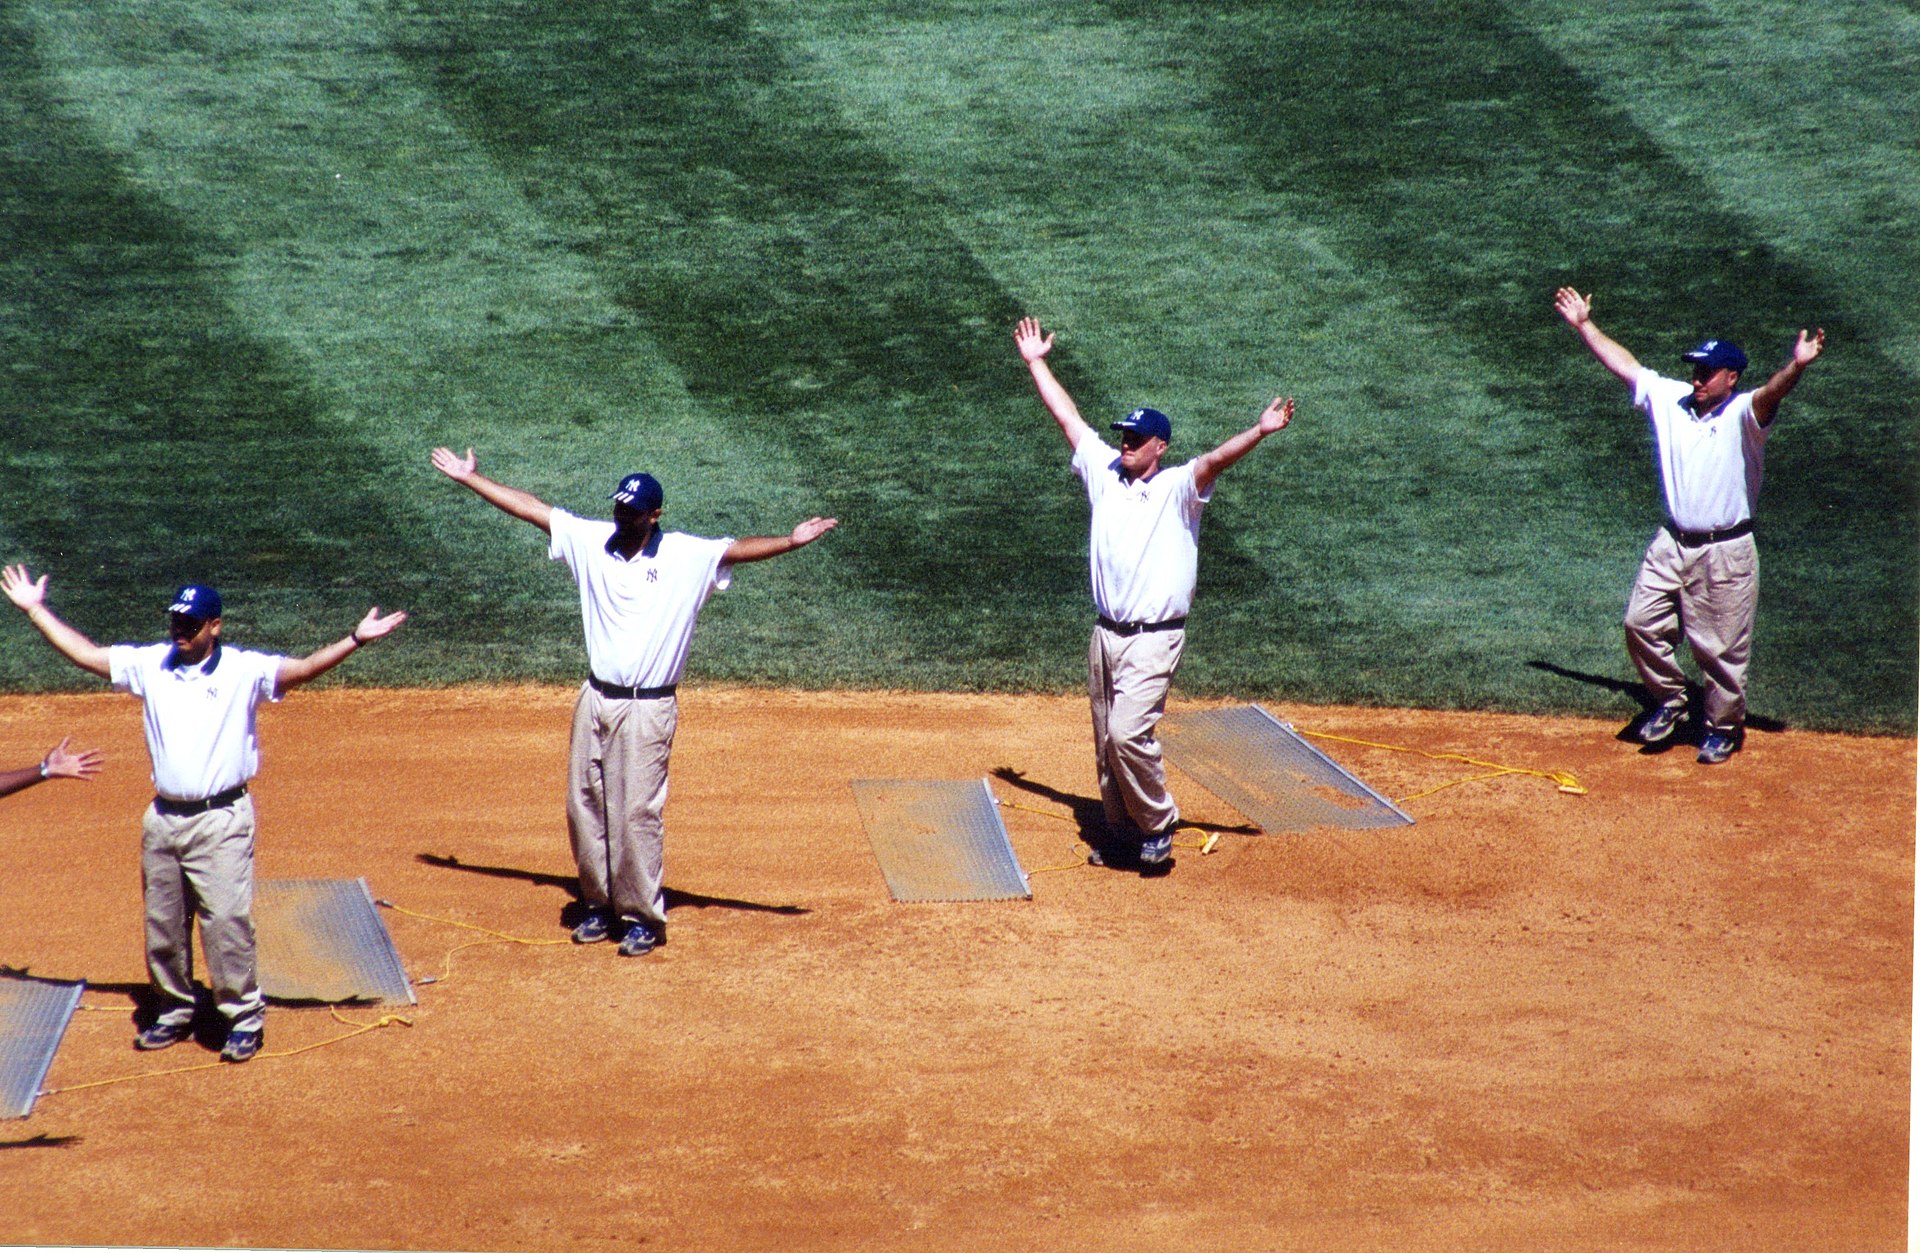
[1127, 681]
[202, 865]
[616, 795]
[1710, 594]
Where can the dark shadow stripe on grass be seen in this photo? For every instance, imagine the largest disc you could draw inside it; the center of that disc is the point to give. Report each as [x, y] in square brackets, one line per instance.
[1451, 153]
[147, 434]
[805, 289]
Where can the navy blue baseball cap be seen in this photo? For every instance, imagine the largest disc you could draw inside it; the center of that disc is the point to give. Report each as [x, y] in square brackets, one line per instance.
[1149, 422]
[1718, 354]
[196, 600]
[642, 491]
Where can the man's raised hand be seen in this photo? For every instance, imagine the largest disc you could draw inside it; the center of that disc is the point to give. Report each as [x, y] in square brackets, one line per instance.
[373, 626]
[1276, 415]
[1574, 307]
[1028, 338]
[22, 588]
[454, 466]
[1806, 349]
[811, 530]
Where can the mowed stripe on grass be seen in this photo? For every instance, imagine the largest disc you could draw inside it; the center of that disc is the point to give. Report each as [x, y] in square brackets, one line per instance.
[809, 293]
[1484, 172]
[777, 251]
[410, 295]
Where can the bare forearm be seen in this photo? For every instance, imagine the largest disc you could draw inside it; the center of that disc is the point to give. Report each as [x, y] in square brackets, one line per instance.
[1065, 413]
[1766, 401]
[760, 547]
[70, 643]
[1623, 364]
[297, 670]
[511, 500]
[1207, 466]
[12, 781]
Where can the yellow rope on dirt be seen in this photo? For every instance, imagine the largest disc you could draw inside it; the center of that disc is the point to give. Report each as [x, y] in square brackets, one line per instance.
[1561, 778]
[359, 1028]
[499, 937]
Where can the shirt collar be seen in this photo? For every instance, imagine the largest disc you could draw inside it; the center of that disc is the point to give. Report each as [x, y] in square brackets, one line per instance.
[649, 550]
[208, 666]
[1686, 403]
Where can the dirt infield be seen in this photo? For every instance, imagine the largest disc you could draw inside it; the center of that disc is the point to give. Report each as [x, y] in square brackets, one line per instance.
[1673, 1013]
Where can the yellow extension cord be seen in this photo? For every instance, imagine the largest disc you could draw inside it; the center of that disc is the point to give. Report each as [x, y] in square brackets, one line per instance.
[1562, 779]
[359, 1028]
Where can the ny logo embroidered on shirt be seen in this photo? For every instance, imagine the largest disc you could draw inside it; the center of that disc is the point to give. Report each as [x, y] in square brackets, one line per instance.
[653, 574]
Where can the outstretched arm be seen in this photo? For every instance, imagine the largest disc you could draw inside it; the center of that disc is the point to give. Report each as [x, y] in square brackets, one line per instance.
[1578, 311]
[30, 594]
[1207, 466]
[1806, 350]
[297, 670]
[57, 764]
[761, 547]
[1034, 348]
[523, 505]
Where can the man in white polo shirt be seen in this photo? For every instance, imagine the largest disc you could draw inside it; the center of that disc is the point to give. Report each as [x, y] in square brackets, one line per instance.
[199, 698]
[1144, 555]
[641, 591]
[1700, 575]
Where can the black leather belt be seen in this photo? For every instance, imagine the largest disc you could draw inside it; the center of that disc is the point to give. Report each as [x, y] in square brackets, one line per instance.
[1136, 628]
[1695, 539]
[631, 693]
[186, 809]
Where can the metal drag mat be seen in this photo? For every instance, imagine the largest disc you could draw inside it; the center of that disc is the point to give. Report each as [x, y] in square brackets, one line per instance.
[940, 840]
[322, 940]
[1260, 766]
[33, 1017]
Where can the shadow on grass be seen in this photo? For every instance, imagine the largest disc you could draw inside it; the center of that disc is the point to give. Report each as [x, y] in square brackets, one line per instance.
[1691, 727]
[572, 914]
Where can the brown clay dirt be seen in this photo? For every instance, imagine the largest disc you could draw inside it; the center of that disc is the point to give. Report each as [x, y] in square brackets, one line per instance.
[1673, 1013]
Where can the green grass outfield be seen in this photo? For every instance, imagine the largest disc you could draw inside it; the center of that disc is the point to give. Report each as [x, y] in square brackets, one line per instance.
[257, 259]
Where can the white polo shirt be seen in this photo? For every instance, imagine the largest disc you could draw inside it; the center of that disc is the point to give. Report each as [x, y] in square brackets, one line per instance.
[639, 615]
[201, 731]
[1144, 545]
[1710, 465]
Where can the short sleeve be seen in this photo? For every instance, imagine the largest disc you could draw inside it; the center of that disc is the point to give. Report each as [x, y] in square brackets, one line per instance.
[722, 572]
[124, 670]
[560, 535]
[267, 679]
[1091, 456]
[1643, 389]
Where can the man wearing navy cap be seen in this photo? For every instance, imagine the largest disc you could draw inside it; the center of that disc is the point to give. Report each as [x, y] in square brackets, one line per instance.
[641, 591]
[1144, 555]
[196, 856]
[1700, 575]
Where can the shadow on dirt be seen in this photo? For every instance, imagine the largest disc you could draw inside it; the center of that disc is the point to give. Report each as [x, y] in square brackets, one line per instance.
[1091, 818]
[574, 912]
[42, 1141]
[1691, 728]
